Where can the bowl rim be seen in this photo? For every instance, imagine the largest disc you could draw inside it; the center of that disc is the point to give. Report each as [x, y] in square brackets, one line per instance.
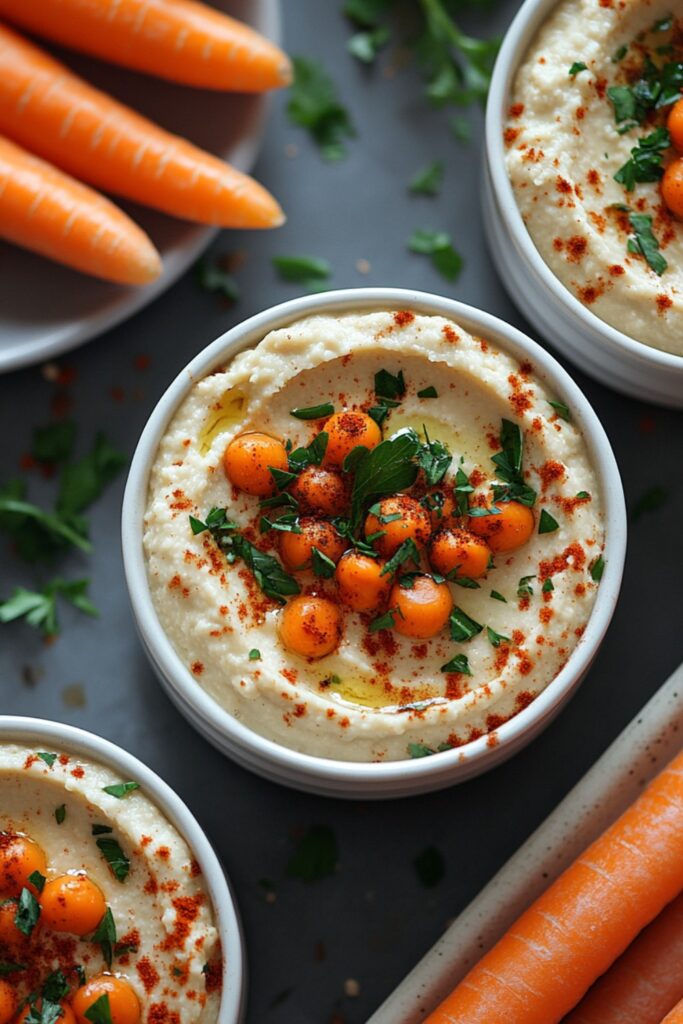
[518, 37]
[417, 771]
[25, 729]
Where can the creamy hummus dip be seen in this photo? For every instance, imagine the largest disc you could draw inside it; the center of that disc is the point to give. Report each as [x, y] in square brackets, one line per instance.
[120, 895]
[572, 125]
[378, 694]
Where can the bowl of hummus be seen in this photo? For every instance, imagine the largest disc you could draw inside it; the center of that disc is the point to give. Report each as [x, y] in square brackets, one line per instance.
[372, 540]
[113, 906]
[583, 185]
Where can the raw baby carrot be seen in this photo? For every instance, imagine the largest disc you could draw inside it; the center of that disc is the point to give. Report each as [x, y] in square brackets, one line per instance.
[182, 40]
[45, 210]
[675, 1016]
[58, 116]
[645, 982]
[544, 964]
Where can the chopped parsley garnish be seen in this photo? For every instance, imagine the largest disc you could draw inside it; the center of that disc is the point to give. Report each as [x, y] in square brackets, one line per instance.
[385, 621]
[314, 105]
[576, 67]
[323, 567]
[38, 535]
[437, 245]
[308, 271]
[524, 588]
[619, 53]
[582, 494]
[430, 867]
[548, 585]
[509, 467]
[434, 459]
[105, 936]
[312, 455]
[37, 880]
[380, 412]
[650, 501]
[60, 814]
[121, 789]
[644, 243]
[597, 568]
[499, 597]
[100, 1011]
[39, 608]
[384, 470]
[390, 385]
[463, 488]
[119, 864]
[547, 523]
[254, 654]
[562, 410]
[10, 968]
[282, 479]
[407, 551]
[656, 88]
[458, 664]
[212, 277]
[56, 987]
[101, 830]
[28, 912]
[462, 626]
[496, 639]
[313, 412]
[429, 392]
[365, 46]
[54, 443]
[645, 162]
[316, 855]
[463, 581]
[287, 523]
[427, 182]
[49, 759]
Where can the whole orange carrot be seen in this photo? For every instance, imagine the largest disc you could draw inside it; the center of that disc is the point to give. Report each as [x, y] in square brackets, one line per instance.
[45, 210]
[544, 964]
[675, 1016]
[58, 116]
[180, 40]
[645, 982]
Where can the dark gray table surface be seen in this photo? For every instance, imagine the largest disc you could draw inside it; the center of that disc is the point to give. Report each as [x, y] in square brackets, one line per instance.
[373, 919]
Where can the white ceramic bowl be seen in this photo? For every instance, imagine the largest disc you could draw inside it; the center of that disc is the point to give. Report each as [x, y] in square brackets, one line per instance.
[597, 348]
[344, 778]
[46, 735]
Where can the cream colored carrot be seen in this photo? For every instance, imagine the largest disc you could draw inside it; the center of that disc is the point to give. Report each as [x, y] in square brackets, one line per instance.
[545, 963]
[58, 116]
[645, 982]
[45, 210]
[675, 1016]
[181, 40]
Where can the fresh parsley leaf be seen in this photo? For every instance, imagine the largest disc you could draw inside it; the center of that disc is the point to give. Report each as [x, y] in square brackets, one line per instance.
[38, 535]
[315, 856]
[427, 182]
[644, 242]
[197, 526]
[37, 880]
[105, 936]
[576, 67]
[42, 1011]
[121, 789]
[645, 162]
[509, 467]
[619, 53]
[314, 105]
[384, 470]
[287, 523]
[39, 608]
[650, 501]
[385, 621]
[562, 410]
[212, 277]
[429, 392]
[268, 573]
[28, 912]
[84, 481]
[305, 270]
[49, 759]
[524, 588]
[499, 597]
[55, 987]
[548, 585]
[459, 664]
[406, 552]
[282, 479]
[434, 459]
[101, 830]
[10, 968]
[496, 639]
[119, 864]
[390, 385]
[430, 867]
[100, 1011]
[438, 245]
[313, 412]
[419, 750]
[365, 46]
[254, 654]
[312, 455]
[379, 413]
[53, 443]
[463, 581]
[323, 567]
[657, 87]
[366, 12]
[463, 627]
[353, 458]
[60, 814]
[547, 523]
[597, 568]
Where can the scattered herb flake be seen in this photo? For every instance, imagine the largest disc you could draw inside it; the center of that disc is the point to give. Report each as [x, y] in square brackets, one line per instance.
[429, 392]
[28, 912]
[10, 968]
[308, 271]
[437, 245]
[562, 410]
[427, 181]
[650, 501]
[496, 639]
[499, 597]
[60, 814]
[53, 443]
[597, 568]
[385, 621]
[115, 857]
[105, 936]
[547, 523]
[213, 278]
[100, 1011]
[524, 588]
[459, 664]
[121, 789]
[49, 759]
[463, 627]
[254, 654]
[39, 608]
[365, 46]
[645, 162]
[315, 856]
[323, 567]
[313, 412]
[644, 242]
[314, 105]
[548, 585]
[390, 385]
[576, 67]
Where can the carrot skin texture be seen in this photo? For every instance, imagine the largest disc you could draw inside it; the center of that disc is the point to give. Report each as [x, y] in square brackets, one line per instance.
[55, 114]
[645, 982]
[676, 1015]
[550, 956]
[46, 211]
[181, 40]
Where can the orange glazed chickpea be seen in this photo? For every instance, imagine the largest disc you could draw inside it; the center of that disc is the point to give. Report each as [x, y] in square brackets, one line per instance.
[72, 903]
[124, 1005]
[321, 490]
[423, 609]
[412, 522]
[296, 549]
[508, 530]
[311, 626]
[675, 125]
[345, 431]
[8, 1002]
[67, 1015]
[672, 187]
[247, 459]
[460, 550]
[19, 858]
[360, 582]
